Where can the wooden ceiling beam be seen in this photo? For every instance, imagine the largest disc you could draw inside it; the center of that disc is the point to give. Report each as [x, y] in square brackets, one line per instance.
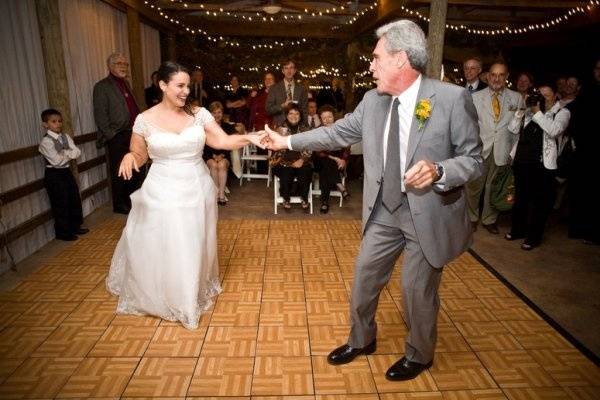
[510, 3]
[271, 29]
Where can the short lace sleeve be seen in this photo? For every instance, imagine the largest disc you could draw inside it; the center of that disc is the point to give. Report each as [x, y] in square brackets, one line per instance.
[140, 127]
[203, 116]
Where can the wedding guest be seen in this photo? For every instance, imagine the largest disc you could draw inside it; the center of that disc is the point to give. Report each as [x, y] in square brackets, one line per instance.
[235, 101]
[534, 165]
[115, 110]
[58, 150]
[218, 161]
[289, 164]
[152, 93]
[257, 104]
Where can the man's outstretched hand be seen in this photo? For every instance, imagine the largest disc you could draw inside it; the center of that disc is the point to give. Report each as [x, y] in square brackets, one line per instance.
[274, 141]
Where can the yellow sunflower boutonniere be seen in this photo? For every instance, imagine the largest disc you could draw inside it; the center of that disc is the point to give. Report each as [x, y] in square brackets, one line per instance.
[423, 111]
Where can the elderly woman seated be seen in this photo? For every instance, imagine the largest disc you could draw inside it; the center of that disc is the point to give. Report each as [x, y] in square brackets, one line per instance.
[289, 164]
[218, 161]
[330, 164]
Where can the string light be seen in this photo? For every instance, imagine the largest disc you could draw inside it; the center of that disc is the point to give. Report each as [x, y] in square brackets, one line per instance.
[359, 14]
[508, 30]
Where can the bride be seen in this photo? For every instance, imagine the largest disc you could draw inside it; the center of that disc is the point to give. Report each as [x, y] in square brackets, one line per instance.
[165, 263]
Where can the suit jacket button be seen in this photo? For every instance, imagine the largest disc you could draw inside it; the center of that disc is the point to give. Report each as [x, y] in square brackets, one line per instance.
[370, 208]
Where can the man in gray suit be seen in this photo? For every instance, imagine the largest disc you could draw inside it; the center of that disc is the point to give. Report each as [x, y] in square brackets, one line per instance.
[421, 145]
[115, 110]
[496, 106]
[285, 92]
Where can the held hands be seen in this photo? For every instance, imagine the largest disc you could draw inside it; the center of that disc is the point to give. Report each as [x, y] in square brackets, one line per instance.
[420, 175]
[274, 141]
[128, 164]
[259, 139]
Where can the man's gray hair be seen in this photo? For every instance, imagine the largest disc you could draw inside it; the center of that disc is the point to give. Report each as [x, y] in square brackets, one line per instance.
[113, 58]
[405, 35]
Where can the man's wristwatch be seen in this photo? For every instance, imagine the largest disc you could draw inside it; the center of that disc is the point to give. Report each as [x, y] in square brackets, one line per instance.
[439, 171]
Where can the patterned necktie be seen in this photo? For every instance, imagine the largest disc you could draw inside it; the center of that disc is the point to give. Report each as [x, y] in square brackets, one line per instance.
[470, 88]
[312, 122]
[496, 106]
[392, 192]
[289, 91]
[64, 141]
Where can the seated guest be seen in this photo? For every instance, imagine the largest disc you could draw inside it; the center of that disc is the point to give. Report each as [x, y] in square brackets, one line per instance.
[534, 166]
[290, 164]
[330, 164]
[218, 161]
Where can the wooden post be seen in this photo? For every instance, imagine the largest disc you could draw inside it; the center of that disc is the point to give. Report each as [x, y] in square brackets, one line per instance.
[135, 53]
[435, 39]
[54, 63]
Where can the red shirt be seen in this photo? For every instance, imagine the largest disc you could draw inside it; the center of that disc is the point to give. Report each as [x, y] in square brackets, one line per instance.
[132, 107]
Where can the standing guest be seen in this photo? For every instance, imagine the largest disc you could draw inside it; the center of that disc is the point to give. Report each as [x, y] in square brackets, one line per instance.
[289, 164]
[218, 161]
[284, 93]
[539, 127]
[152, 93]
[59, 149]
[584, 218]
[561, 83]
[420, 147]
[235, 101]
[198, 88]
[330, 164]
[115, 110]
[496, 106]
[257, 104]
[570, 91]
[338, 95]
[313, 120]
[524, 84]
[471, 71]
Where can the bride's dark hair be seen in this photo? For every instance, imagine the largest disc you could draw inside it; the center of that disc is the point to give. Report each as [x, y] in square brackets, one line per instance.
[166, 71]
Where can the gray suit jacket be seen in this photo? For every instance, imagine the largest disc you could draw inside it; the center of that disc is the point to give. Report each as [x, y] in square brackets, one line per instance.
[496, 134]
[450, 136]
[110, 109]
[277, 97]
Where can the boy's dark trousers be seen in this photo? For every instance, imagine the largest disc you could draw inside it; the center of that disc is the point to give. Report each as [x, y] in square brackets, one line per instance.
[64, 201]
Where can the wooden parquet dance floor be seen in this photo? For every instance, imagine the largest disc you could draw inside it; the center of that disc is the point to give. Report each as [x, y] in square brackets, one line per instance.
[284, 307]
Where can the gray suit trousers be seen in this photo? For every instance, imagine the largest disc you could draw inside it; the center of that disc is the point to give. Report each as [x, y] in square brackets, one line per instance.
[385, 237]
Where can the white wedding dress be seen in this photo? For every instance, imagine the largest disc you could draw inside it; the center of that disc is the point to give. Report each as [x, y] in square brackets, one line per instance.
[165, 263]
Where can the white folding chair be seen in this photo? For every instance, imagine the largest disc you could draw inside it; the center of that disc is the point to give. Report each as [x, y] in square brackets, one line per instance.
[277, 199]
[249, 159]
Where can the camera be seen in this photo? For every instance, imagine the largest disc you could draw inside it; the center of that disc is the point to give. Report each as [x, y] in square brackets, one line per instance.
[533, 98]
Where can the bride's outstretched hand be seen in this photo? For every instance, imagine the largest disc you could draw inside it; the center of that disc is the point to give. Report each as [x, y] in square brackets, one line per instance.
[259, 139]
[275, 140]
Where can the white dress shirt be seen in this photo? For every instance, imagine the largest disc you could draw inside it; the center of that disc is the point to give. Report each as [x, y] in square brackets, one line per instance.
[316, 118]
[474, 85]
[58, 159]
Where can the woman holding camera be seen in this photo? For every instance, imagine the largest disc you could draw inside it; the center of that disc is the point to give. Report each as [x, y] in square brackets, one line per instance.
[539, 127]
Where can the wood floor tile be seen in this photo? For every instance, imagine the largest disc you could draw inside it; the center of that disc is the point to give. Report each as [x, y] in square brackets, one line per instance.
[323, 312]
[283, 313]
[99, 377]
[412, 396]
[227, 341]
[488, 335]
[323, 339]
[235, 313]
[481, 394]
[456, 371]
[176, 341]
[39, 378]
[69, 341]
[168, 377]
[282, 341]
[381, 363]
[123, 341]
[536, 394]
[537, 334]
[568, 367]
[515, 368]
[222, 376]
[282, 376]
[92, 313]
[19, 342]
[354, 377]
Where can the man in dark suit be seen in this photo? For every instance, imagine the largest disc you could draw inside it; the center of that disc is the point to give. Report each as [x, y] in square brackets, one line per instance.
[199, 91]
[471, 70]
[421, 145]
[115, 110]
[285, 92]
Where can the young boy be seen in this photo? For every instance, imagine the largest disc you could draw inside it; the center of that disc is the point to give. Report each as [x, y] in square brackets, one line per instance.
[59, 149]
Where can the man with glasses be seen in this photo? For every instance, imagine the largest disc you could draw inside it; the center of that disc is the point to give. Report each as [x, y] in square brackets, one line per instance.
[471, 70]
[115, 109]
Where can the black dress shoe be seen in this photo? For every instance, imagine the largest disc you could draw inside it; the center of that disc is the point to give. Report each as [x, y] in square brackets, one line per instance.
[492, 228]
[344, 354]
[82, 231]
[404, 370]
